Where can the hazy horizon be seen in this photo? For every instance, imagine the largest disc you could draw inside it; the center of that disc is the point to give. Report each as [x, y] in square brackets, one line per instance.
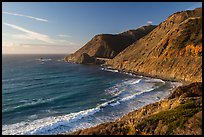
[64, 27]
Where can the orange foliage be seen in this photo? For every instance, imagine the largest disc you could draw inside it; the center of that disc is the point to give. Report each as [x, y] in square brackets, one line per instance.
[194, 49]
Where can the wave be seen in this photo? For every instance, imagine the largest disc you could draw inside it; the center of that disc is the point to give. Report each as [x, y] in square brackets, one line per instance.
[28, 104]
[44, 59]
[51, 125]
[136, 94]
[133, 82]
[122, 86]
[117, 71]
[55, 124]
[103, 99]
[109, 69]
[114, 104]
[47, 125]
[154, 80]
[125, 91]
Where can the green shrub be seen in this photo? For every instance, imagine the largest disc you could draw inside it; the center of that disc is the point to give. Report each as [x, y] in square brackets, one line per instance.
[173, 118]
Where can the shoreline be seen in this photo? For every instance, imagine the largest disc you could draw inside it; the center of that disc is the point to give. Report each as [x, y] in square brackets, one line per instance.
[183, 83]
[171, 91]
[135, 73]
[101, 129]
[102, 102]
[149, 75]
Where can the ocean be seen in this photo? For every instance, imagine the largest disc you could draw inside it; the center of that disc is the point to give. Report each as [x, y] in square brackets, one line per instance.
[42, 94]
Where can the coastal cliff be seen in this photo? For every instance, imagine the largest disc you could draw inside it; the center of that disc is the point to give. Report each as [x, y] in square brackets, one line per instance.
[172, 51]
[178, 114]
[108, 45]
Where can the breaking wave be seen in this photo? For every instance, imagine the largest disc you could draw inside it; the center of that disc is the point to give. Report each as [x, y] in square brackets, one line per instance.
[121, 93]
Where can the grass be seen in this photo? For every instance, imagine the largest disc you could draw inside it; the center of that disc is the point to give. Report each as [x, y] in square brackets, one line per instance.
[172, 118]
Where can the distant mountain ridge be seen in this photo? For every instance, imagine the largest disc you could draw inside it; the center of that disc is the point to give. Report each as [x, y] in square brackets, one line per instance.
[109, 45]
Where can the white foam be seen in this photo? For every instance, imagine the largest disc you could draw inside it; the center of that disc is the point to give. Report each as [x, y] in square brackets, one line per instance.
[28, 103]
[133, 82]
[105, 103]
[47, 125]
[136, 94]
[122, 86]
[50, 125]
[103, 99]
[43, 60]
[111, 70]
[130, 74]
[154, 80]
[114, 104]
[59, 124]
[33, 116]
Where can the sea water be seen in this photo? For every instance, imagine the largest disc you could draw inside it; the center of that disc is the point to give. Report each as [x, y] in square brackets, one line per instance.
[42, 94]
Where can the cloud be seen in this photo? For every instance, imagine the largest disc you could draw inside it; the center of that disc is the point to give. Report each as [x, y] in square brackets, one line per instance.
[9, 44]
[30, 34]
[21, 36]
[65, 42]
[62, 35]
[21, 15]
[149, 22]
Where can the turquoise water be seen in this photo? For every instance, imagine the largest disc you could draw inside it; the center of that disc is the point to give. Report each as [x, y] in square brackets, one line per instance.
[41, 94]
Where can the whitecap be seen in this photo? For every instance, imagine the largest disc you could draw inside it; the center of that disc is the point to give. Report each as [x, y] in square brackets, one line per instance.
[154, 80]
[103, 99]
[133, 82]
[109, 69]
[114, 104]
[136, 94]
[47, 125]
[29, 103]
[50, 125]
[44, 59]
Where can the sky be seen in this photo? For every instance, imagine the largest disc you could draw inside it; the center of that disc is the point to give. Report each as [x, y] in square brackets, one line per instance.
[64, 27]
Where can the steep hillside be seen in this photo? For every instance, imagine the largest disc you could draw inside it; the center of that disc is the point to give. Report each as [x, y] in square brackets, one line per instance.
[178, 114]
[172, 51]
[108, 45]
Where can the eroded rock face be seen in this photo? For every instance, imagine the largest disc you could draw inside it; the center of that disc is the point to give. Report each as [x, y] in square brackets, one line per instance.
[192, 90]
[177, 115]
[85, 59]
[109, 45]
[172, 51]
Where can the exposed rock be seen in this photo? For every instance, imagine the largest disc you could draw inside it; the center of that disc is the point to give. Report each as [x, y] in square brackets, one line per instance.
[172, 51]
[156, 119]
[109, 45]
[192, 90]
[85, 59]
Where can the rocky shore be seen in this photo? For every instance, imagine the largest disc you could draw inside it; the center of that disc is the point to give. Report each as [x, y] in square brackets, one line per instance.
[170, 51]
[178, 114]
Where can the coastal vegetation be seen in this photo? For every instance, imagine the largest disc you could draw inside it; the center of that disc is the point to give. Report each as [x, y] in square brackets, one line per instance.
[171, 51]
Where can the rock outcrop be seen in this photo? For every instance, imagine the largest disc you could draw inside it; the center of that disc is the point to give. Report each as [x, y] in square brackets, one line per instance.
[85, 59]
[109, 45]
[178, 114]
[172, 51]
